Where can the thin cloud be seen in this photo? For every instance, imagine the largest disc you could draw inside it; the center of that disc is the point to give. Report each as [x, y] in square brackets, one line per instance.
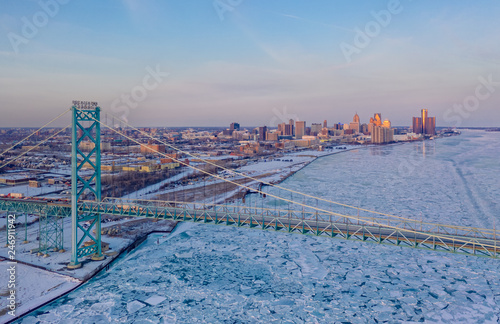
[316, 22]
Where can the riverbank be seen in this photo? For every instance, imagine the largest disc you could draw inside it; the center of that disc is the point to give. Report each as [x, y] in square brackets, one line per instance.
[41, 280]
[267, 170]
[134, 231]
[139, 228]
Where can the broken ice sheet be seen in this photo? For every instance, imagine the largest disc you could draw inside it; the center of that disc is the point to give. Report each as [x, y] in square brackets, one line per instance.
[134, 306]
[154, 300]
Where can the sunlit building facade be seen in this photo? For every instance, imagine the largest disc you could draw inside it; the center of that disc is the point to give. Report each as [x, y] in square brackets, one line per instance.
[300, 128]
[424, 124]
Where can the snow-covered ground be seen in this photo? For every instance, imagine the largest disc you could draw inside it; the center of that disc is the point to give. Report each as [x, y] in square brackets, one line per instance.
[28, 191]
[56, 261]
[32, 286]
[278, 168]
[151, 191]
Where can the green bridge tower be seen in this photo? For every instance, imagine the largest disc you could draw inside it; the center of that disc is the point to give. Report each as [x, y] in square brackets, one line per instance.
[85, 181]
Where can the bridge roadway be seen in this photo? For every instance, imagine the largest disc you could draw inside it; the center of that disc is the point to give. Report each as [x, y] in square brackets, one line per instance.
[398, 232]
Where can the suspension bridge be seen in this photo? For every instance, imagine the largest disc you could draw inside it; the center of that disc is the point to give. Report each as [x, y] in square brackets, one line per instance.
[299, 217]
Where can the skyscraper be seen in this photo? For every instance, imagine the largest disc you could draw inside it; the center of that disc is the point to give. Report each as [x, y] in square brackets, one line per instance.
[424, 124]
[376, 120]
[262, 133]
[234, 126]
[430, 126]
[292, 127]
[316, 129]
[281, 129]
[424, 114]
[417, 125]
[355, 124]
[300, 128]
[382, 135]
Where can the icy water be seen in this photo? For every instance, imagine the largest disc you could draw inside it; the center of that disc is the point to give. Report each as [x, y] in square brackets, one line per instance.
[211, 274]
[452, 181]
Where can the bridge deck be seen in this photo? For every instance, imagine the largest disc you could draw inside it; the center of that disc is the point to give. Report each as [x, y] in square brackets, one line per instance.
[398, 232]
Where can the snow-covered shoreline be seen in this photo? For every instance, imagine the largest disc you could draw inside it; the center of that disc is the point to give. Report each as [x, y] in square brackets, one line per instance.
[41, 280]
[65, 281]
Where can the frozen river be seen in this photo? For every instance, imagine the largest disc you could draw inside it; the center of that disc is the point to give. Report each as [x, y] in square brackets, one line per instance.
[203, 273]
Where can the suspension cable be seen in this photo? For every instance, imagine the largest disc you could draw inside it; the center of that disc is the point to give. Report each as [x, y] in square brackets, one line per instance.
[369, 222]
[263, 182]
[34, 147]
[27, 137]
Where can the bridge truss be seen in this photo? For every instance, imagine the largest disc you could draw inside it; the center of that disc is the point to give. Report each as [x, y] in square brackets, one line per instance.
[403, 233]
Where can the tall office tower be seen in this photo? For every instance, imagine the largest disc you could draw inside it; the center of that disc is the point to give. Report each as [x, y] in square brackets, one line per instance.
[288, 130]
[417, 125]
[300, 128]
[355, 124]
[292, 124]
[234, 126]
[424, 119]
[376, 120]
[424, 124]
[386, 123]
[315, 129]
[377, 135]
[382, 135]
[281, 129]
[262, 133]
[325, 124]
[430, 126]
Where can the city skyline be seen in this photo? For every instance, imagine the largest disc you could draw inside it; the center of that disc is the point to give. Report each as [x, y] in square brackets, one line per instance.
[143, 143]
[210, 66]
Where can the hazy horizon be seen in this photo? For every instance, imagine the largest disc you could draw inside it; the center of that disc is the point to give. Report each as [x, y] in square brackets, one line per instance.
[209, 63]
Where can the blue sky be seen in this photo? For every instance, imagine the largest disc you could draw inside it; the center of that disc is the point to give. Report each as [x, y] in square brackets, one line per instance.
[264, 61]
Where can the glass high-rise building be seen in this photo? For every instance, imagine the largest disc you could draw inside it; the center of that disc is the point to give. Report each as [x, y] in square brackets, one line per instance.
[424, 124]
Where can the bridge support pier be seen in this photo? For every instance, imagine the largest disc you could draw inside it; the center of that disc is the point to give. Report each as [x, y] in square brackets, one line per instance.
[51, 232]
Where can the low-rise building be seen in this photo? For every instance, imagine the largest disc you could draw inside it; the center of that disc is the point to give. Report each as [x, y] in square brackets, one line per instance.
[35, 184]
[16, 179]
